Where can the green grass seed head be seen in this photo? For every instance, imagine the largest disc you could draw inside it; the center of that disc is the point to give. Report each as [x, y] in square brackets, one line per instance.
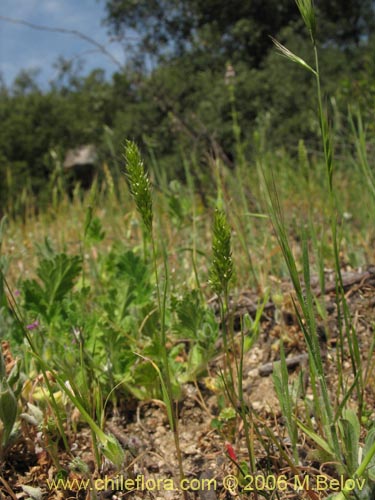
[139, 183]
[307, 11]
[222, 264]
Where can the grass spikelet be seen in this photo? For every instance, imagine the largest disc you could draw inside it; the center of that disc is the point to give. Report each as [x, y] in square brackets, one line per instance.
[139, 183]
[285, 52]
[307, 11]
[222, 264]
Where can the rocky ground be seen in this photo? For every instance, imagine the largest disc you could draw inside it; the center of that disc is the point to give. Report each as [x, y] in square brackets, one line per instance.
[150, 470]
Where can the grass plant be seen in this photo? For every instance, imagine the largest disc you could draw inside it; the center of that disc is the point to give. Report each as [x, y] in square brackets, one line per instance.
[141, 191]
[340, 427]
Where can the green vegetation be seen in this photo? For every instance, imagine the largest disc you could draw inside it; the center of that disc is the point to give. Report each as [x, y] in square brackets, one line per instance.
[121, 292]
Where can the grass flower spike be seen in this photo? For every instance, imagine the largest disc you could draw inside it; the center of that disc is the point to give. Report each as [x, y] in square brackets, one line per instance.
[284, 51]
[139, 183]
[307, 11]
[222, 265]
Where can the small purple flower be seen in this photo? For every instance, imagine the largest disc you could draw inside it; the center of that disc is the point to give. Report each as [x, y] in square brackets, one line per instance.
[33, 325]
[17, 293]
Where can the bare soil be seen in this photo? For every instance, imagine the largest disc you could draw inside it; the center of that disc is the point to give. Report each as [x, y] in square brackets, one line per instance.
[150, 470]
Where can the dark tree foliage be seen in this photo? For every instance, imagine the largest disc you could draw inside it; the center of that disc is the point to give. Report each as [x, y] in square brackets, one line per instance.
[346, 22]
[34, 123]
[180, 107]
[238, 30]
[194, 40]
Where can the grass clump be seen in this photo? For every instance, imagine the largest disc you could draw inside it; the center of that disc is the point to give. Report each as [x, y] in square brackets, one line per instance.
[141, 191]
[340, 425]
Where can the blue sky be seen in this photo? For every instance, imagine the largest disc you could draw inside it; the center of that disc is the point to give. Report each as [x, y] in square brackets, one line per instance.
[22, 47]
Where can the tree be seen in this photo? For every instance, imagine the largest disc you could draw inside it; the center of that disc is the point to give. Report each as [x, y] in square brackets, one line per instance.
[238, 30]
[193, 41]
[346, 22]
[34, 122]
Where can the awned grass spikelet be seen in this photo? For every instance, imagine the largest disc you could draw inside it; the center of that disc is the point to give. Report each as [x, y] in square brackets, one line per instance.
[139, 183]
[284, 51]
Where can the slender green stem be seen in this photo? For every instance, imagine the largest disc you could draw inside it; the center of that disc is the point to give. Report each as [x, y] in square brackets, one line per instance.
[327, 148]
[161, 298]
[244, 411]
[328, 156]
